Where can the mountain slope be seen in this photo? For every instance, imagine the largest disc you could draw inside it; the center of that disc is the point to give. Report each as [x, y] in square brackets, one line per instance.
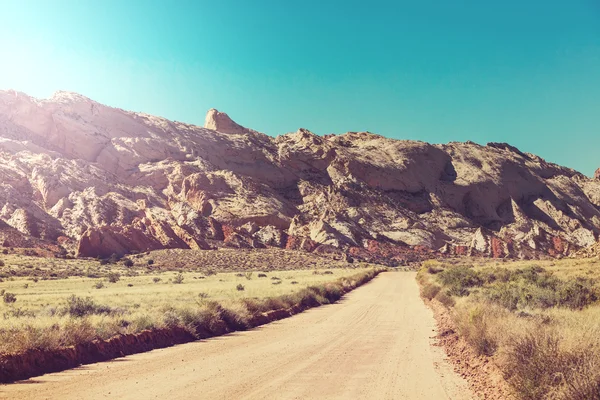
[102, 180]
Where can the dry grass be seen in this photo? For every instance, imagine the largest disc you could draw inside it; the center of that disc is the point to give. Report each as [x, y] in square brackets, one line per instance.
[538, 321]
[64, 310]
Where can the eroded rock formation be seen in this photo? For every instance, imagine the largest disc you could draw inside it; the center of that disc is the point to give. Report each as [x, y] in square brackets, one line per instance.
[104, 180]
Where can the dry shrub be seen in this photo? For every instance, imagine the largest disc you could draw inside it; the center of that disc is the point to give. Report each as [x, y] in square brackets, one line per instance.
[445, 299]
[430, 290]
[477, 323]
[553, 362]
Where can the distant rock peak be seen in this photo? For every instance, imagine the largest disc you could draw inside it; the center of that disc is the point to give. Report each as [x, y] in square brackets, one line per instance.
[220, 122]
[62, 96]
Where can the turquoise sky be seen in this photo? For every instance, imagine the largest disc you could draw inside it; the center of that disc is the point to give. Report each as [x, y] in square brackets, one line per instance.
[523, 72]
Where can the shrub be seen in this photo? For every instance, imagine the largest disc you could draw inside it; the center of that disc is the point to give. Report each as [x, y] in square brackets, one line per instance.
[9, 298]
[261, 275]
[150, 262]
[113, 277]
[445, 299]
[99, 285]
[2, 263]
[128, 263]
[156, 279]
[294, 282]
[248, 275]
[432, 269]
[82, 306]
[459, 280]
[577, 294]
[527, 359]
[473, 324]
[203, 295]
[429, 290]
[178, 279]
[240, 287]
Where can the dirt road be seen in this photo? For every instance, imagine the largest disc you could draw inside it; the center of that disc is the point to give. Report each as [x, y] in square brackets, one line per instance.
[374, 344]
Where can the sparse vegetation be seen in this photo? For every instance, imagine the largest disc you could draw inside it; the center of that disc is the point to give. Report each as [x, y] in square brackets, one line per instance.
[178, 280]
[9, 298]
[113, 277]
[98, 285]
[538, 321]
[64, 309]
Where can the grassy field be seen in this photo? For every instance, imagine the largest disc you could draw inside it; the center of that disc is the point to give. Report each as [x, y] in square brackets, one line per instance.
[53, 303]
[539, 321]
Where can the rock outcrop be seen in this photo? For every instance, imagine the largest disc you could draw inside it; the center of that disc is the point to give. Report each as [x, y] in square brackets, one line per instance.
[101, 180]
[220, 122]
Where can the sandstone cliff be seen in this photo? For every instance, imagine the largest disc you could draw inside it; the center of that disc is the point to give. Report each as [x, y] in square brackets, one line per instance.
[103, 180]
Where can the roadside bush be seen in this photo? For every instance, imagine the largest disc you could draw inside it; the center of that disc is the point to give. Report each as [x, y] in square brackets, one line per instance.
[474, 325]
[532, 363]
[445, 299]
[459, 280]
[429, 290]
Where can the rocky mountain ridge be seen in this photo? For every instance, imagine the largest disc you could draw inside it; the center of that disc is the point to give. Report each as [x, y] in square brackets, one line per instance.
[97, 180]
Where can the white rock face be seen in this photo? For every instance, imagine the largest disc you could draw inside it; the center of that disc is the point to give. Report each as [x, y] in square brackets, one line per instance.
[105, 180]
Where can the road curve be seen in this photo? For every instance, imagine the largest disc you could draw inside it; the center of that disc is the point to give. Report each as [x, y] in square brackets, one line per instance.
[373, 344]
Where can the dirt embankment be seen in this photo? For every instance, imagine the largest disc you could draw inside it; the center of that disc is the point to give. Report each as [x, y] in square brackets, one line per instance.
[483, 376]
[38, 362]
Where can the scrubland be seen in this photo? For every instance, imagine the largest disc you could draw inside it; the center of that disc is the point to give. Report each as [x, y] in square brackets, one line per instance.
[49, 304]
[538, 321]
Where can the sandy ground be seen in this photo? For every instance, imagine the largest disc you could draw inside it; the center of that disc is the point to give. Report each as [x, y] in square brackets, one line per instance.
[374, 344]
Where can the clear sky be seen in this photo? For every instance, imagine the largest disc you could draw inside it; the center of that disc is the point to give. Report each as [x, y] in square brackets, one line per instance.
[523, 72]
